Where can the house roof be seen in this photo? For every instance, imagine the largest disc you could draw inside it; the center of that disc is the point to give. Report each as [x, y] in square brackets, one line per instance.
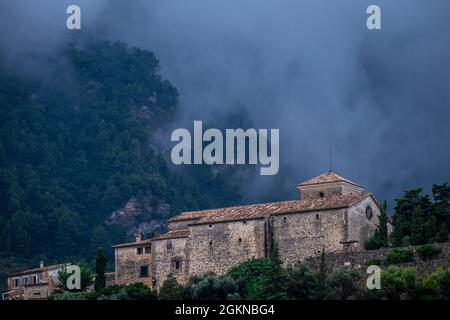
[190, 215]
[37, 270]
[327, 177]
[172, 234]
[259, 211]
[133, 244]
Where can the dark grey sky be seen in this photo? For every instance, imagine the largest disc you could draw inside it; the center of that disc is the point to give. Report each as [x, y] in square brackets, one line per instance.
[380, 99]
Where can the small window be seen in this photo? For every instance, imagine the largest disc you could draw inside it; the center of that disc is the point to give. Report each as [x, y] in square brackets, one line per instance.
[321, 195]
[210, 244]
[210, 226]
[240, 240]
[34, 279]
[369, 212]
[245, 221]
[139, 250]
[16, 282]
[317, 216]
[176, 264]
[143, 272]
[148, 249]
[284, 219]
[169, 245]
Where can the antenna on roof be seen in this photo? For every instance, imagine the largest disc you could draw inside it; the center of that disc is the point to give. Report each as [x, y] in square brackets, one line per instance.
[330, 161]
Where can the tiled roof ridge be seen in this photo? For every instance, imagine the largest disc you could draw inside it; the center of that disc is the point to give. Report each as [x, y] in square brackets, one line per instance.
[281, 207]
[327, 177]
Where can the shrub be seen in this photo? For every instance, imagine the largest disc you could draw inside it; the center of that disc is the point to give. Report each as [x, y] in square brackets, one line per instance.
[428, 251]
[344, 283]
[211, 287]
[397, 282]
[399, 256]
[301, 283]
[375, 262]
[444, 284]
[171, 289]
[252, 277]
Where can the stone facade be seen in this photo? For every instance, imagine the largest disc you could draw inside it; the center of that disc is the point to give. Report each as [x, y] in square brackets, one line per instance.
[334, 214]
[34, 284]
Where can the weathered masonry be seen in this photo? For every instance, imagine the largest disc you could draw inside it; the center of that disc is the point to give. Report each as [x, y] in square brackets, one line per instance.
[334, 214]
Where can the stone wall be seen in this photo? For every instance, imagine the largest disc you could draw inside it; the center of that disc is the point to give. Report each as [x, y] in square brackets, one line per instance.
[220, 246]
[360, 228]
[360, 258]
[128, 264]
[305, 234]
[170, 256]
[327, 190]
[179, 225]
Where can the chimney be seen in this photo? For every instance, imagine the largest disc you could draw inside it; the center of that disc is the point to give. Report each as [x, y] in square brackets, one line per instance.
[138, 237]
[41, 264]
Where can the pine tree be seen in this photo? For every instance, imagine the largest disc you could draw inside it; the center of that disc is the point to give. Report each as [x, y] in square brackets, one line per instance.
[430, 229]
[442, 235]
[416, 227]
[100, 268]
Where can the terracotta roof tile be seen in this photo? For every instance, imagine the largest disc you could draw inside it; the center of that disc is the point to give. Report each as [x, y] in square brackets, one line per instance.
[190, 215]
[327, 177]
[36, 270]
[172, 234]
[259, 211]
[133, 244]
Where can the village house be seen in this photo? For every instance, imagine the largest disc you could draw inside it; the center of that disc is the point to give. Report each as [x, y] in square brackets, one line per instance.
[33, 284]
[333, 214]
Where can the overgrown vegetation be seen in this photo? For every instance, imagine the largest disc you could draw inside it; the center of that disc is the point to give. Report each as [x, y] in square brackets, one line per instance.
[428, 251]
[75, 146]
[252, 280]
[399, 256]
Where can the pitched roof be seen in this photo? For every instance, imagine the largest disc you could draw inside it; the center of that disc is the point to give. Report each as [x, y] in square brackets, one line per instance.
[327, 177]
[189, 215]
[36, 270]
[172, 234]
[259, 211]
[133, 244]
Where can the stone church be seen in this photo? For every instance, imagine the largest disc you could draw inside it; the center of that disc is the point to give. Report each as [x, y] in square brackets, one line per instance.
[333, 214]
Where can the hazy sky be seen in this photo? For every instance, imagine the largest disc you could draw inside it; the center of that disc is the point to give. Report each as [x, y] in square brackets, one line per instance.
[379, 99]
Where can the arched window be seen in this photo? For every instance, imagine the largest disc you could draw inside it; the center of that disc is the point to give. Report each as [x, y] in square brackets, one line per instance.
[369, 212]
[321, 194]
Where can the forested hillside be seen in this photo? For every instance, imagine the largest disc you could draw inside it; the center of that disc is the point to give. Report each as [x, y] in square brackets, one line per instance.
[75, 146]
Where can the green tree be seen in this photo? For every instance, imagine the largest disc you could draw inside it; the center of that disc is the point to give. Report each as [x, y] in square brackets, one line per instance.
[398, 283]
[170, 289]
[442, 235]
[252, 277]
[301, 283]
[85, 278]
[417, 227]
[276, 286]
[383, 225]
[444, 284]
[344, 283]
[100, 269]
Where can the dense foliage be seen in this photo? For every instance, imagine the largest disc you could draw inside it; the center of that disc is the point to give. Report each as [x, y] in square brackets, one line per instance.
[75, 145]
[416, 219]
[252, 280]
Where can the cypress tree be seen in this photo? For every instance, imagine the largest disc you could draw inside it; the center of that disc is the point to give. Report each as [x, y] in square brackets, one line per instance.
[100, 268]
[382, 227]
